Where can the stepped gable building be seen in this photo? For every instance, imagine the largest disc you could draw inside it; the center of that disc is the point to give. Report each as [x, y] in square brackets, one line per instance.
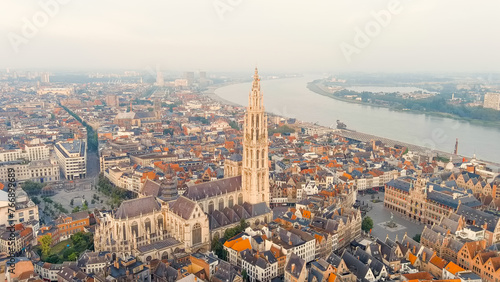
[152, 227]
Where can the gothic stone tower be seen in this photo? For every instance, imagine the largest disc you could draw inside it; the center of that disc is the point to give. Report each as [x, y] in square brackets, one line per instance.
[255, 171]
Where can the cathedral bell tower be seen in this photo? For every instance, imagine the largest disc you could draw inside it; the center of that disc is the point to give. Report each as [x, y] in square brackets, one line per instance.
[255, 168]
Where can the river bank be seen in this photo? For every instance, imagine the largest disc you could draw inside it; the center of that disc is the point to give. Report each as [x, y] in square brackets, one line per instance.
[290, 98]
[313, 86]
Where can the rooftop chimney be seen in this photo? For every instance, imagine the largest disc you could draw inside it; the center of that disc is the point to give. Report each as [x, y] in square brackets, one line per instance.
[293, 267]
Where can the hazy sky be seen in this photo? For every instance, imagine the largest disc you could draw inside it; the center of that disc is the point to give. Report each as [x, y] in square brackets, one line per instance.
[236, 35]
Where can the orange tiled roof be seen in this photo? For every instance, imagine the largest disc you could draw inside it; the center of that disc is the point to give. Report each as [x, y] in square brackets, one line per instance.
[318, 237]
[412, 258]
[238, 244]
[347, 175]
[453, 268]
[26, 232]
[306, 214]
[439, 262]
[419, 275]
[332, 277]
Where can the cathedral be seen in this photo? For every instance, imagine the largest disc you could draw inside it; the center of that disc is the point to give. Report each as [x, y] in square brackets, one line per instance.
[153, 228]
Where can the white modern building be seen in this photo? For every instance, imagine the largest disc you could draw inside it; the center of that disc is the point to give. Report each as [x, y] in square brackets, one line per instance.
[72, 158]
[29, 152]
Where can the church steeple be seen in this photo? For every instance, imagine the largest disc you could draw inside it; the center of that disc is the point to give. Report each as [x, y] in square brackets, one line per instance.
[255, 171]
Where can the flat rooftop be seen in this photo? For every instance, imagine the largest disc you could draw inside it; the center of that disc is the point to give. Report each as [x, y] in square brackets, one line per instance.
[74, 147]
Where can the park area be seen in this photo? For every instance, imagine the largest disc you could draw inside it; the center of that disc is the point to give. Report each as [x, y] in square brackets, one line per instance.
[67, 250]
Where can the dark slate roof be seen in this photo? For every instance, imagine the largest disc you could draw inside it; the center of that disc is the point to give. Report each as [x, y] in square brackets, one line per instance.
[299, 264]
[231, 215]
[236, 158]
[455, 245]
[399, 184]
[287, 237]
[432, 236]
[136, 207]
[479, 217]
[220, 218]
[375, 265]
[256, 209]
[270, 257]
[258, 239]
[494, 247]
[450, 224]
[79, 215]
[334, 260]
[140, 115]
[263, 261]
[213, 188]
[88, 258]
[159, 245]
[444, 199]
[164, 271]
[224, 272]
[241, 212]
[356, 267]
[439, 229]
[183, 207]
[151, 188]
[314, 273]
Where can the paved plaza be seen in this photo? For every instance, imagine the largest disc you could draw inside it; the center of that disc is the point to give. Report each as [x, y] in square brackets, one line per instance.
[78, 190]
[381, 215]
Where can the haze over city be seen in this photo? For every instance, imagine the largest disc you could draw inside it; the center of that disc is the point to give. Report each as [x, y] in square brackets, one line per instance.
[224, 35]
[247, 141]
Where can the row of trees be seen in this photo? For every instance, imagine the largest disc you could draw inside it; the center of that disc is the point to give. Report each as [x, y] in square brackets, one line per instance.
[92, 138]
[281, 129]
[57, 207]
[437, 104]
[116, 194]
[32, 188]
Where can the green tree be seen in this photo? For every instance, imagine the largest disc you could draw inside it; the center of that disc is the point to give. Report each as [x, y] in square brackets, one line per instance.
[76, 209]
[243, 225]
[234, 125]
[367, 224]
[35, 200]
[32, 188]
[244, 275]
[45, 243]
[281, 129]
[73, 257]
[168, 131]
[53, 259]
[417, 237]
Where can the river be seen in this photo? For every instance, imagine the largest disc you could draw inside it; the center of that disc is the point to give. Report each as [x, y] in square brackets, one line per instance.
[290, 98]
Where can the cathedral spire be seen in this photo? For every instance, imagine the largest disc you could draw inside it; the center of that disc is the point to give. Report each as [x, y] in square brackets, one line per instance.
[255, 170]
